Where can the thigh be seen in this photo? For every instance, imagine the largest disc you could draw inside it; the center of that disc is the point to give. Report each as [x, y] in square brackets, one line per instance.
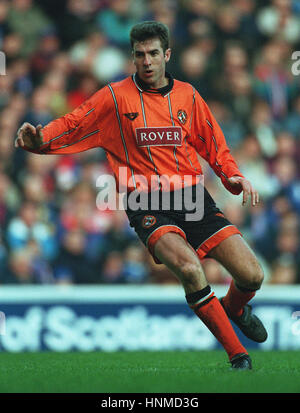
[176, 253]
[211, 230]
[238, 258]
[167, 243]
[151, 225]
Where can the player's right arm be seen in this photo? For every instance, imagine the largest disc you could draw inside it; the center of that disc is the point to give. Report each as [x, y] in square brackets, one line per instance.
[77, 131]
[29, 136]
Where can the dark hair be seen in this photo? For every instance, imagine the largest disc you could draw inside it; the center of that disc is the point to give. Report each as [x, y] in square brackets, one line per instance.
[149, 30]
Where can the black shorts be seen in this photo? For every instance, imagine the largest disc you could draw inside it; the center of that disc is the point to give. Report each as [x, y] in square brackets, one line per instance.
[202, 235]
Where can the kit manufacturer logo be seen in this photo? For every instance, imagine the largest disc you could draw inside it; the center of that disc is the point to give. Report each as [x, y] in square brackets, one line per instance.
[132, 115]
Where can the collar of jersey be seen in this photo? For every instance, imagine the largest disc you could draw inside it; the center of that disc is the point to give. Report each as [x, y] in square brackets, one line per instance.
[143, 87]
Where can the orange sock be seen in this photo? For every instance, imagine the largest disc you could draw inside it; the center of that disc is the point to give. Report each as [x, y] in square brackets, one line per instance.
[236, 298]
[210, 311]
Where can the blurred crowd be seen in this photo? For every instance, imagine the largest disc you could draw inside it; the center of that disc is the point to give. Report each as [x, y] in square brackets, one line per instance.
[237, 53]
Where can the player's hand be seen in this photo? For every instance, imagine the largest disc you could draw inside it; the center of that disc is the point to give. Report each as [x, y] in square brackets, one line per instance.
[247, 189]
[30, 136]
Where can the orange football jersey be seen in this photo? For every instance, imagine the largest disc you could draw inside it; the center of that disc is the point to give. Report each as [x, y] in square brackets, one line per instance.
[148, 135]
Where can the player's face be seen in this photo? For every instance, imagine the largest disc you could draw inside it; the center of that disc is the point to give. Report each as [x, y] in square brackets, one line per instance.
[150, 62]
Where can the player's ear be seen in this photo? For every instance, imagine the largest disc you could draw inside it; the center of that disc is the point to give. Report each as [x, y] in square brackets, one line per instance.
[167, 55]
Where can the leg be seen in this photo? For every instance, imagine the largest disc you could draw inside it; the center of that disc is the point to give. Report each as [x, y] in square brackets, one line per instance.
[182, 260]
[172, 250]
[237, 257]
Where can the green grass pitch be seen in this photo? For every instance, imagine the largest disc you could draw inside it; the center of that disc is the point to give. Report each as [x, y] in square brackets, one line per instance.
[147, 372]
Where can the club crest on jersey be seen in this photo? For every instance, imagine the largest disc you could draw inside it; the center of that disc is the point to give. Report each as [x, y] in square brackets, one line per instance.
[182, 116]
[159, 136]
[148, 221]
[131, 115]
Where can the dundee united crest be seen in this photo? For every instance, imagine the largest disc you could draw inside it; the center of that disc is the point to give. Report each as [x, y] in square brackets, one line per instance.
[148, 221]
[182, 116]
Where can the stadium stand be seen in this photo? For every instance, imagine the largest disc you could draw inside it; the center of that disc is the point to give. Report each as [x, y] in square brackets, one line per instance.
[237, 54]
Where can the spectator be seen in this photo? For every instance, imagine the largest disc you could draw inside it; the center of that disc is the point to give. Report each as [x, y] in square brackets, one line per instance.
[134, 269]
[94, 55]
[285, 172]
[12, 45]
[193, 68]
[284, 271]
[87, 86]
[8, 200]
[116, 22]
[55, 82]
[253, 165]
[6, 89]
[36, 21]
[292, 120]
[19, 270]
[27, 226]
[232, 128]
[112, 271]
[3, 258]
[72, 265]
[75, 22]
[263, 126]
[119, 234]
[287, 245]
[166, 11]
[39, 111]
[228, 23]
[277, 20]
[22, 78]
[197, 18]
[4, 7]
[236, 53]
[274, 82]
[249, 32]
[45, 53]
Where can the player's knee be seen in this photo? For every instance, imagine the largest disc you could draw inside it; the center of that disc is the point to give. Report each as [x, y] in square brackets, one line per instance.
[256, 278]
[190, 272]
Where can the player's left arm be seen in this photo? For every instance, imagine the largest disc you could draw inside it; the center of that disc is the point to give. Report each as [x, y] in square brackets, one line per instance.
[210, 143]
[245, 186]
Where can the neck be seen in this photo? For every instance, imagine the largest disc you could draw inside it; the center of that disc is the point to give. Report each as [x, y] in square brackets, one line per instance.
[162, 83]
[167, 85]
